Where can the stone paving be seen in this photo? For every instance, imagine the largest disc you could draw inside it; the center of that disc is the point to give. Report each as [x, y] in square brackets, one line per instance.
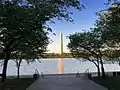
[64, 83]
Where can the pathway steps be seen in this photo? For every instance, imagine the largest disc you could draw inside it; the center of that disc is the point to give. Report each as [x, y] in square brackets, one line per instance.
[64, 83]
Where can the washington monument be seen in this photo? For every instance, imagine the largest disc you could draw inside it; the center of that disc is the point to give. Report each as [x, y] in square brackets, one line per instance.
[60, 62]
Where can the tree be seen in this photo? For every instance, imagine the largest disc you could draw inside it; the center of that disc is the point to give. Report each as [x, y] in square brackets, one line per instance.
[109, 23]
[88, 45]
[18, 64]
[23, 26]
[20, 31]
[18, 58]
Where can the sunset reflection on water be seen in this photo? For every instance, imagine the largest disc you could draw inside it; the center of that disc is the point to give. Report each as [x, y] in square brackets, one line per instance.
[60, 66]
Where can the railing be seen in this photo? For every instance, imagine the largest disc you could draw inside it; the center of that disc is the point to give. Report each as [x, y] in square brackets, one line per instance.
[86, 71]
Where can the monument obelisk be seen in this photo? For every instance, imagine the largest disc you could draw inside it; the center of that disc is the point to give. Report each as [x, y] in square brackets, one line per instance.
[61, 44]
[60, 62]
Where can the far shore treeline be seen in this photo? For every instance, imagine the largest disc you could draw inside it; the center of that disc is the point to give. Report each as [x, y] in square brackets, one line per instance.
[57, 55]
[65, 55]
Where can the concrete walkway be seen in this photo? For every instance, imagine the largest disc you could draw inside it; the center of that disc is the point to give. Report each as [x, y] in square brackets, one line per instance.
[64, 83]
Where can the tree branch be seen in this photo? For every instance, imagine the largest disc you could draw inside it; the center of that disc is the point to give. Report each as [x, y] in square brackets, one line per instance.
[89, 50]
[93, 62]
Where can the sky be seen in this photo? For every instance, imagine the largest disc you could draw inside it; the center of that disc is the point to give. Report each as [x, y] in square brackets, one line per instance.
[84, 19]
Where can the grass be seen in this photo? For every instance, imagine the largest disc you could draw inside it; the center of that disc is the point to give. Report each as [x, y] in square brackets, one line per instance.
[16, 84]
[111, 82]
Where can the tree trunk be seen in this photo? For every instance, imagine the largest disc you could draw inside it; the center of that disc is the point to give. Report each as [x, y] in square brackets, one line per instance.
[18, 63]
[18, 72]
[98, 69]
[102, 68]
[5, 68]
[97, 65]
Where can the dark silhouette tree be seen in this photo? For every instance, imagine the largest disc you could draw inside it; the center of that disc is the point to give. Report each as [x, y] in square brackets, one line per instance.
[89, 46]
[23, 27]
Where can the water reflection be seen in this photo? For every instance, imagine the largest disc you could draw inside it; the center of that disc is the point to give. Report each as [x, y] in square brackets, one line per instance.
[60, 66]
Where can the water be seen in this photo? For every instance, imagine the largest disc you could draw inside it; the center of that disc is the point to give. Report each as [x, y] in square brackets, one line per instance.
[51, 66]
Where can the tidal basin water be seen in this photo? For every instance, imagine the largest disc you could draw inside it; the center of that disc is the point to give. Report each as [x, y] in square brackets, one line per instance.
[55, 66]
